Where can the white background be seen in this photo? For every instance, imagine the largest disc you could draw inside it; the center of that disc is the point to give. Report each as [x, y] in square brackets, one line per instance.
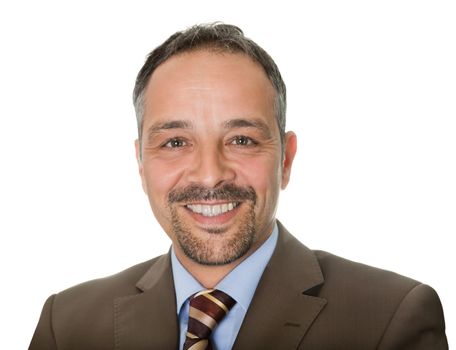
[372, 90]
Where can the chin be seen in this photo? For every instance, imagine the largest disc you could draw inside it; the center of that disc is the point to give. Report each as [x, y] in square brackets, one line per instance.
[215, 245]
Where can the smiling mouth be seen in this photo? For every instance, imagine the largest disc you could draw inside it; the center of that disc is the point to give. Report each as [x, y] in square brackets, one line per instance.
[210, 210]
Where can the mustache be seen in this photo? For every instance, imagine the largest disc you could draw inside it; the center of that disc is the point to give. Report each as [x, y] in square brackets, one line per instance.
[228, 192]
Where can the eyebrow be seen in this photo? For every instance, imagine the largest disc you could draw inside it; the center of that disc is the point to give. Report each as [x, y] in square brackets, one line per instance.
[173, 124]
[248, 123]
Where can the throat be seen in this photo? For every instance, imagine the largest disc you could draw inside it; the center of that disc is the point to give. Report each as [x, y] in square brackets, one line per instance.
[207, 275]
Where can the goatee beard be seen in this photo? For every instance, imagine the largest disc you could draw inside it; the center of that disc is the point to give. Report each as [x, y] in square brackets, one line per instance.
[213, 250]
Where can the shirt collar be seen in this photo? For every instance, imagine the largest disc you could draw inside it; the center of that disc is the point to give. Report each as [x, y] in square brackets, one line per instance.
[240, 283]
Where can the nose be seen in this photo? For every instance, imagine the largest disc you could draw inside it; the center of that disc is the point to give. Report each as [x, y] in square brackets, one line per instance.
[210, 167]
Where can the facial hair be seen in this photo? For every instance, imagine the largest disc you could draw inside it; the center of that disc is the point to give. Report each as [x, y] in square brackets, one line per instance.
[214, 249]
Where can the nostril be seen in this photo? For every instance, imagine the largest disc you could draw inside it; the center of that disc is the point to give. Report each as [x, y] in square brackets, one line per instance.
[210, 170]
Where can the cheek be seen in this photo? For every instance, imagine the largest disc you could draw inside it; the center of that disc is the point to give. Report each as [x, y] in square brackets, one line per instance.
[261, 173]
[161, 177]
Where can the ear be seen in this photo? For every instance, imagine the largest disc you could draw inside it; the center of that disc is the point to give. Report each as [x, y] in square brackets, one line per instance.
[140, 164]
[290, 148]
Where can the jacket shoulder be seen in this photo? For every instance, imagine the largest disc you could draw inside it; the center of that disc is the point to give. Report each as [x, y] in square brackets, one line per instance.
[371, 308]
[84, 314]
[352, 275]
[361, 300]
[119, 284]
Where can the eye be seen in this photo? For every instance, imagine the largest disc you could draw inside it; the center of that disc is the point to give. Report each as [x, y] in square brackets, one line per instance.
[174, 143]
[243, 141]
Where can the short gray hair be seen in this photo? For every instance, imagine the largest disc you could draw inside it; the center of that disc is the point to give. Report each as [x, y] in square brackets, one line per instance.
[217, 37]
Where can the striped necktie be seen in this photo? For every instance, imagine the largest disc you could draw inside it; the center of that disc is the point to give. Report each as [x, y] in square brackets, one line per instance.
[207, 309]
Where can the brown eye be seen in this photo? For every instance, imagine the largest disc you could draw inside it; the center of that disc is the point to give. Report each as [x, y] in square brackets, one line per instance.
[243, 141]
[174, 143]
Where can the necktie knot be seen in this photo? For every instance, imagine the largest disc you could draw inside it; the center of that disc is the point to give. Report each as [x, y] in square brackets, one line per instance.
[207, 309]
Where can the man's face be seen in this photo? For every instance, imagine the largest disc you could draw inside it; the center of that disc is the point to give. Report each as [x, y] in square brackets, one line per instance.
[212, 163]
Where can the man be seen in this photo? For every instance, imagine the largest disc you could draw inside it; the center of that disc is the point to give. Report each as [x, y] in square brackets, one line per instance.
[213, 155]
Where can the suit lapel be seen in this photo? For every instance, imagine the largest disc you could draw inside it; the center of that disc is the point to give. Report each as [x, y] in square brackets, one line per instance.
[279, 316]
[283, 307]
[148, 320]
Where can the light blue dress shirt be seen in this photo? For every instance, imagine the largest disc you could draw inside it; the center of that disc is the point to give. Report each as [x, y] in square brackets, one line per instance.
[240, 284]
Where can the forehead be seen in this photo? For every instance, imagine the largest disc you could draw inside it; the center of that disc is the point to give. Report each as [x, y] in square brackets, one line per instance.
[195, 83]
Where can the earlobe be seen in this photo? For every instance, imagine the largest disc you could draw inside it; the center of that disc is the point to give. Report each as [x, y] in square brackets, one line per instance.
[138, 151]
[290, 148]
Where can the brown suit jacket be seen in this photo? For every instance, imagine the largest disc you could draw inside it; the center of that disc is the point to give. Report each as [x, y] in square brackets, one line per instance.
[305, 300]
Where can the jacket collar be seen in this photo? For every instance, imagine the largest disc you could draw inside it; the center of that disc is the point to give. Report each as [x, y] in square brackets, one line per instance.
[283, 307]
[148, 320]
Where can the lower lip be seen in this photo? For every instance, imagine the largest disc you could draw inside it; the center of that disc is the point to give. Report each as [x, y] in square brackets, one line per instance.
[216, 219]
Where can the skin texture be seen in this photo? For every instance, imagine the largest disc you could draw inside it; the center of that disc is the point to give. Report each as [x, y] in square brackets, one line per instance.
[210, 137]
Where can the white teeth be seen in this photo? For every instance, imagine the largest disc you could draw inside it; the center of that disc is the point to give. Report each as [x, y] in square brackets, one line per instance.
[216, 209]
[212, 210]
[206, 210]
